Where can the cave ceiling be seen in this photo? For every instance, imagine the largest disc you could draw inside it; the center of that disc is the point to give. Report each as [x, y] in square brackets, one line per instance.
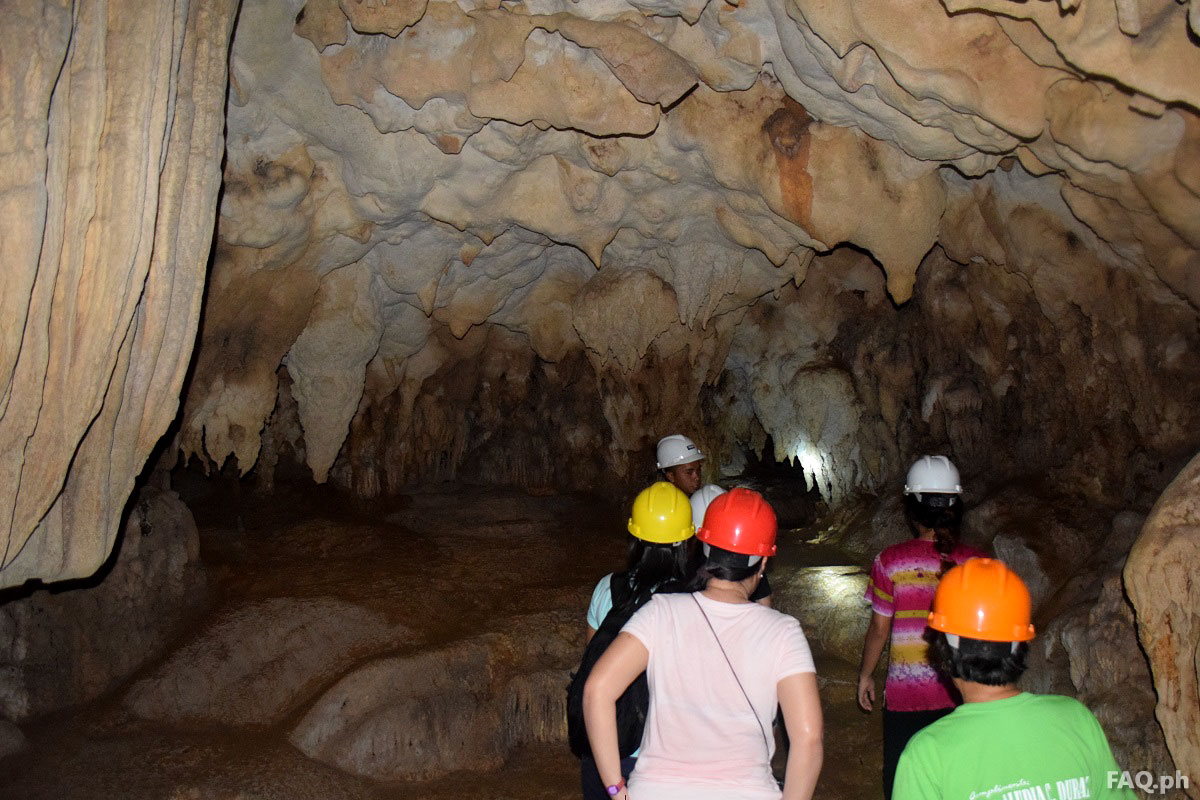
[444, 218]
[517, 242]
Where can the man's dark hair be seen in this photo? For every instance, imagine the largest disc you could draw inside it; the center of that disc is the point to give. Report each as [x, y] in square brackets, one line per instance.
[976, 660]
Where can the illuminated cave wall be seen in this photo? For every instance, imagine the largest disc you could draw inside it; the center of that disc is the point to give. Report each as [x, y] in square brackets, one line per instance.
[518, 242]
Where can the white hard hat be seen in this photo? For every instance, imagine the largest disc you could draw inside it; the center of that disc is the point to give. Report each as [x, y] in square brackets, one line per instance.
[932, 475]
[700, 500]
[675, 449]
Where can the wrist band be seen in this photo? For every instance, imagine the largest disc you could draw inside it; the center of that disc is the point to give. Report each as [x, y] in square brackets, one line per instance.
[616, 788]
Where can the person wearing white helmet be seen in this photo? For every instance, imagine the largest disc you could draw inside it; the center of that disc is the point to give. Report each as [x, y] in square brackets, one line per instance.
[679, 459]
[700, 501]
[900, 591]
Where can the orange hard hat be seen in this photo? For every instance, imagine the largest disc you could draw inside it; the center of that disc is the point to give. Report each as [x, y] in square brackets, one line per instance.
[740, 521]
[982, 599]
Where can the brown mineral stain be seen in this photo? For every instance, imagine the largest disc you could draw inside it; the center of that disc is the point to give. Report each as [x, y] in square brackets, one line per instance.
[467, 254]
[788, 131]
[449, 144]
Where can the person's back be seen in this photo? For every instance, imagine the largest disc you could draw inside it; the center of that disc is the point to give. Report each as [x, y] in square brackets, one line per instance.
[717, 664]
[660, 527]
[1025, 747]
[699, 730]
[1001, 743]
[908, 572]
[900, 589]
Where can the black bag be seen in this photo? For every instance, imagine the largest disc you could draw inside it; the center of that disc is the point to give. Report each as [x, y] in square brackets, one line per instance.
[634, 703]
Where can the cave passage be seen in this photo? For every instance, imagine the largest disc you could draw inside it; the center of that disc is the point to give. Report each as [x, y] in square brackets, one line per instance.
[469, 604]
[336, 337]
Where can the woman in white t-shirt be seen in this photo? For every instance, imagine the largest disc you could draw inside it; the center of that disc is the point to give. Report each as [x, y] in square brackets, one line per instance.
[717, 665]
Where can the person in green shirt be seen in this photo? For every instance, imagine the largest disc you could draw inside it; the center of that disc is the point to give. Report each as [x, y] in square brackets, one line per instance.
[1001, 743]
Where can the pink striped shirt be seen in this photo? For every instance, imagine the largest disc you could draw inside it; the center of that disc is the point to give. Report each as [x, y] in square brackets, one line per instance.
[903, 580]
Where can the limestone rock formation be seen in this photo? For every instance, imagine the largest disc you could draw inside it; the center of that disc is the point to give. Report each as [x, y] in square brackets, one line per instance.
[518, 242]
[11, 739]
[253, 665]
[461, 706]
[828, 603]
[455, 221]
[1161, 579]
[111, 143]
[63, 647]
[1087, 648]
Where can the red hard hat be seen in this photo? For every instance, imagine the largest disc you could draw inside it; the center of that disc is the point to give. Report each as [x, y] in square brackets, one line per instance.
[740, 521]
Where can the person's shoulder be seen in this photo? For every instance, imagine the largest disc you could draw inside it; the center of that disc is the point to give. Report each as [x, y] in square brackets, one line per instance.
[776, 620]
[961, 724]
[1059, 704]
[665, 599]
[963, 552]
[603, 585]
[898, 550]
[934, 736]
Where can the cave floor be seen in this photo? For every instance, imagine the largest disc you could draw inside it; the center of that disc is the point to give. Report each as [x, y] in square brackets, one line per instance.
[446, 563]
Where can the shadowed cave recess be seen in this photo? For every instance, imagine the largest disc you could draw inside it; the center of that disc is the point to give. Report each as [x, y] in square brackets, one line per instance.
[337, 336]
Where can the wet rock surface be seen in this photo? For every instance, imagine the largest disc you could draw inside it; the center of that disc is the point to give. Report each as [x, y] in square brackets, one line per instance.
[250, 666]
[113, 142]
[460, 707]
[828, 601]
[11, 739]
[66, 645]
[465, 701]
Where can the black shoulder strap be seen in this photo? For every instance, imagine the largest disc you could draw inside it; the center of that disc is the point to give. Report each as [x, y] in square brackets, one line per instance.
[619, 613]
[618, 588]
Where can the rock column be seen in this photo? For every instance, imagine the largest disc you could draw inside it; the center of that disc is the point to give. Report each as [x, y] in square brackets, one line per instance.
[110, 155]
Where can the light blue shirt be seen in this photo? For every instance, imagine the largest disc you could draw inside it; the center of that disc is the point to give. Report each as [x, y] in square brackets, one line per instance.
[601, 602]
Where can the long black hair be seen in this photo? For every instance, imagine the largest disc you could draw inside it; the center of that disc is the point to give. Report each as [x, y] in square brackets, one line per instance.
[940, 513]
[650, 567]
[722, 565]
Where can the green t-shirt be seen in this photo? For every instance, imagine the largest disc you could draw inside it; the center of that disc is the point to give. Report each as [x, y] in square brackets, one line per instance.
[1026, 747]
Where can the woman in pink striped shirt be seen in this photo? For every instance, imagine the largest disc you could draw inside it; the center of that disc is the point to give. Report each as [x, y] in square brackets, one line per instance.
[903, 579]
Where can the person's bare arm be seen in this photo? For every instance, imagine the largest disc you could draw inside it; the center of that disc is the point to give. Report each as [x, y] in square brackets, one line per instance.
[587, 637]
[801, 704]
[878, 631]
[764, 601]
[622, 662]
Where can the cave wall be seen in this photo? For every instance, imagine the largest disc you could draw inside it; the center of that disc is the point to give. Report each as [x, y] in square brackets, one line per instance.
[65, 645]
[518, 243]
[110, 147]
[1160, 578]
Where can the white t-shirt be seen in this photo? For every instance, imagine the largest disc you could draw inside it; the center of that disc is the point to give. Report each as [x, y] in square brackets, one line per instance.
[701, 740]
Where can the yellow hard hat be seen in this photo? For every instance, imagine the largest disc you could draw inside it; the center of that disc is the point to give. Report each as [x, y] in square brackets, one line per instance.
[662, 514]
